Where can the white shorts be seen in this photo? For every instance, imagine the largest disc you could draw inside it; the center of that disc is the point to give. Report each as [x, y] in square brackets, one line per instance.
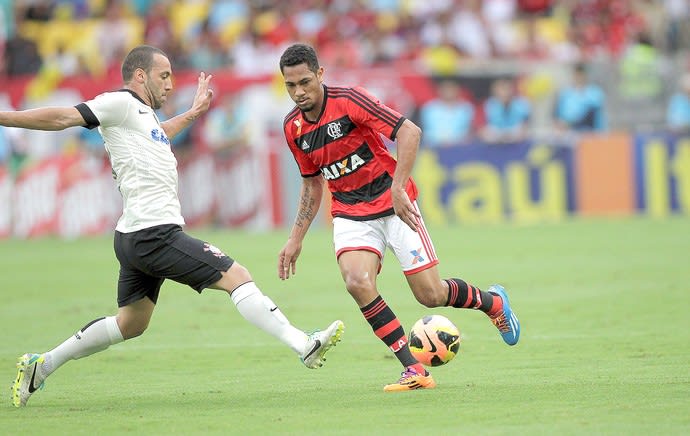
[414, 250]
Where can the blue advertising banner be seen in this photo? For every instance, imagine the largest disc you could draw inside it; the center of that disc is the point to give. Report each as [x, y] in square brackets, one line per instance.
[525, 182]
[662, 169]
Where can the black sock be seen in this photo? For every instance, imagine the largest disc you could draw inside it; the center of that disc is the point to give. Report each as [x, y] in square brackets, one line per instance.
[464, 295]
[387, 327]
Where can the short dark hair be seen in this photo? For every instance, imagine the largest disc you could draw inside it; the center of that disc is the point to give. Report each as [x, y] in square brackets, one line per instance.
[298, 54]
[140, 57]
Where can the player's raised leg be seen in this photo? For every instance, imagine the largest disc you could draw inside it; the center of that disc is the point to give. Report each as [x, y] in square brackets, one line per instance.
[421, 270]
[261, 311]
[433, 292]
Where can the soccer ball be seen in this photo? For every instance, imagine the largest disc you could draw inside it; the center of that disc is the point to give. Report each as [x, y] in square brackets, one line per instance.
[434, 340]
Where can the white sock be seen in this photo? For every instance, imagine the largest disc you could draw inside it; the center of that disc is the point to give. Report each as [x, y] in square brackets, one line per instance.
[93, 337]
[258, 309]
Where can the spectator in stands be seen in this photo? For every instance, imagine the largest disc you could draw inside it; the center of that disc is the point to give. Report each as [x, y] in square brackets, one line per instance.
[580, 107]
[586, 17]
[205, 52]
[251, 55]
[507, 114]
[21, 54]
[677, 12]
[67, 62]
[470, 31]
[534, 46]
[38, 10]
[157, 28]
[447, 119]
[143, 7]
[308, 18]
[226, 128]
[641, 70]
[678, 113]
[337, 42]
[113, 36]
[345, 32]
[6, 27]
[534, 7]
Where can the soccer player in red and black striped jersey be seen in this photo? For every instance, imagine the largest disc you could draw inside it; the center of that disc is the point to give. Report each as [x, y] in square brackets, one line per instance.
[334, 134]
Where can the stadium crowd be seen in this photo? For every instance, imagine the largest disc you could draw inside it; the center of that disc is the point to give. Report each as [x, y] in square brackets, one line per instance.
[636, 39]
[242, 34]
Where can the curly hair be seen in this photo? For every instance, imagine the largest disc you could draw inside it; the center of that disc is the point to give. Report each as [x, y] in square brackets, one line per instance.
[298, 54]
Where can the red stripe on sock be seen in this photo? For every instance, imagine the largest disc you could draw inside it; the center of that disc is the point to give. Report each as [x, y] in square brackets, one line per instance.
[453, 287]
[470, 293]
[374, 310]
[496, 306]
[385, 330]
[477, 298]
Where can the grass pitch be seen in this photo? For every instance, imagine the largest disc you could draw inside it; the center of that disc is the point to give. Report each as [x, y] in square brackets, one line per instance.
[605, 345]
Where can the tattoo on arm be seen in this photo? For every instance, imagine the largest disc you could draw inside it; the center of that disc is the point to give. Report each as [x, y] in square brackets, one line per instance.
[305, 214]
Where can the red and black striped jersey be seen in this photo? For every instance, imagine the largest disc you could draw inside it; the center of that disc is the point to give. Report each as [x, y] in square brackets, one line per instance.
[345, 147]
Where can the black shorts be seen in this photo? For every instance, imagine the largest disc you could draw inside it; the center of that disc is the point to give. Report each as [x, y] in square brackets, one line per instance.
[149, 256]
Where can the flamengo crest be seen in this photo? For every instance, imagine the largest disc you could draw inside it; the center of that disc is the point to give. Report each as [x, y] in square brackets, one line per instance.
[334, 130]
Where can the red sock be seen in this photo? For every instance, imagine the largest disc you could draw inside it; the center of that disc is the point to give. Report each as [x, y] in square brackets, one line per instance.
[418, 368]
[496, 306]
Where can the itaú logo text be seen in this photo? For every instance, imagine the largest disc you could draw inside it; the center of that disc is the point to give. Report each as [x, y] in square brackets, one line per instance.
[343, 167]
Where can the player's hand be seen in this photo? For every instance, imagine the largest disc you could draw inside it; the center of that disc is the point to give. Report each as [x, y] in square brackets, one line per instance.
[287, 259]
[404, 208]
[203, 96]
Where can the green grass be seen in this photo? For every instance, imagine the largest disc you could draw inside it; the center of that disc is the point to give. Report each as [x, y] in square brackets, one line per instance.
[605, 346]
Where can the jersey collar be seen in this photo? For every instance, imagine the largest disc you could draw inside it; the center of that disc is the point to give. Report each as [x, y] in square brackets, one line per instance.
[134, 94]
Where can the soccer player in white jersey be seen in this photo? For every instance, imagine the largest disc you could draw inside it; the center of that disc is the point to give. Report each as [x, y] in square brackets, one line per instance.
[149, 242]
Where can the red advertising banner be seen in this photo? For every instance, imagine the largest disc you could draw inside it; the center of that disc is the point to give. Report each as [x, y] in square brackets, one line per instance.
[75, 195]
[244, 196]
[35, 199]
[196, 188]
[88, 201]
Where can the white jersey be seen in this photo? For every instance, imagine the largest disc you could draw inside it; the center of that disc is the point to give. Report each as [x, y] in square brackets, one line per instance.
[143, 164]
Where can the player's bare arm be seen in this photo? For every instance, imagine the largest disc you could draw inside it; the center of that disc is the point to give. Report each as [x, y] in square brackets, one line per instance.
[200, 105]
[408, 138]
[47, 118]
[309, 202]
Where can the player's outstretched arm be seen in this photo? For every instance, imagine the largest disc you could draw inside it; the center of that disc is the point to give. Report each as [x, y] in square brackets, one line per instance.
[46, 118]
[309, 202]
[200, 105]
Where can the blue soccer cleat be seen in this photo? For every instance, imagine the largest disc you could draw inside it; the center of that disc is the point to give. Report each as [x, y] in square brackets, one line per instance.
[505, 321]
